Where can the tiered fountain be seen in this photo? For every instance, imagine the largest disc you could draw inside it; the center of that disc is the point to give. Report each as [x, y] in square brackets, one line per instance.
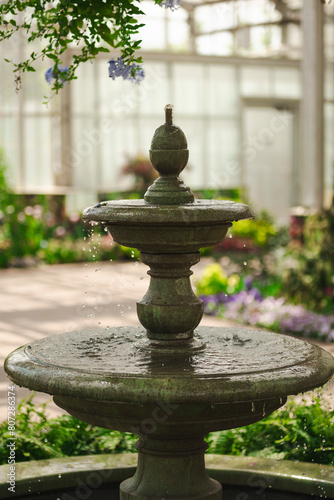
[169, 381]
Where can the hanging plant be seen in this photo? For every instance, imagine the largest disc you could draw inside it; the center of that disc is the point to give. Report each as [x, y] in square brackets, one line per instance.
[92, 27]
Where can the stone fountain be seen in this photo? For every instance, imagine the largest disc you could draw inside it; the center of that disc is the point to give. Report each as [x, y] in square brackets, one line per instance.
[169, 381]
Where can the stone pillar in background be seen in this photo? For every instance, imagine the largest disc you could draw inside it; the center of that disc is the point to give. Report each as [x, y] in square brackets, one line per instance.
[312, 171]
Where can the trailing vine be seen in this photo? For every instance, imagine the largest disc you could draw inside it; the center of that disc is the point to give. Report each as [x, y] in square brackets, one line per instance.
[90, 27]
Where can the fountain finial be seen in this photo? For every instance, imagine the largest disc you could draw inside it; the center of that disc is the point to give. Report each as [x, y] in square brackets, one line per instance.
[169, 114]
[169, 155]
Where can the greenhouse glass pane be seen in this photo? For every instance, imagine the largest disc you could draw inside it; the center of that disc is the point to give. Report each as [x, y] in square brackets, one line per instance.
[218, 44]
[255, 81]
[146, 129]
[287, 82]
[188, 82]
[256, 11]
[84, 153]
[83, 90]
[37, 157]
[193, 175]
[178, 33]
[178, 30]
[8, 99]
[222, 154]
[34, 85]
[222, 90]
[119, 144]
[215, 17]
[114, 97]
[153, 34]
[268, 160]
[153, 92]
[265, 39]
[9, 146]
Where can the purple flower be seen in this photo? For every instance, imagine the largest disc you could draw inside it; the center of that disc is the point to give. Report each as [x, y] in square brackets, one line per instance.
[132, 72]
[170, 4]
[57, 73]
[248, 282]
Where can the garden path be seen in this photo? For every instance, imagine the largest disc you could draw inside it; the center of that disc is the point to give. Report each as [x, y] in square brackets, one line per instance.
[36, 302]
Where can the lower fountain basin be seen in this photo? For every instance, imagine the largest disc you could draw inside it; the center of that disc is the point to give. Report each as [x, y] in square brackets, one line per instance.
[97, 477]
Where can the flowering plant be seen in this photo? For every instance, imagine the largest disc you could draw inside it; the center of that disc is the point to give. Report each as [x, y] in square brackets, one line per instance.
[310, 278]
[249, 306]
[93, 27]
[132, 72]
[142, 170]
[57, 75]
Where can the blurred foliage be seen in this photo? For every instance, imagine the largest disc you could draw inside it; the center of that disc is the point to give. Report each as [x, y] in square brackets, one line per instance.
[310, 277]
[215, 281]
[142, 171]
[298, 431]
[261, 230]
[38, 436]
[35, 228]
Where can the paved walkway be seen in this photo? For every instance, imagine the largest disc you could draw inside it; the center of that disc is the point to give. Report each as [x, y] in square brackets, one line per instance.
[48, 300]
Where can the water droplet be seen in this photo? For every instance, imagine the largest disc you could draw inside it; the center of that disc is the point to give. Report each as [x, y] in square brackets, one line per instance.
[253, 406]
[245, 263]
[264, 410]
[59, 475]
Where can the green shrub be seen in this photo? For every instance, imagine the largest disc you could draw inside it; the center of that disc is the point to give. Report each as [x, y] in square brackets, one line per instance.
[310, 278]
[39, 437]
[214, 281]
[298, 431]
[260, 230]
[295, 432]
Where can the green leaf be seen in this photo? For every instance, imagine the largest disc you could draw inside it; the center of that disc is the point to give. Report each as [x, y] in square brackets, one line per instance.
[109, 38]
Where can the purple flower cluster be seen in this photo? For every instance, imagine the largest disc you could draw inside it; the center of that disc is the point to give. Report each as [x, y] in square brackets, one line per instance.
[170, 4]
[132, 72]
[248, 306]
[60, 73]
[213, 303]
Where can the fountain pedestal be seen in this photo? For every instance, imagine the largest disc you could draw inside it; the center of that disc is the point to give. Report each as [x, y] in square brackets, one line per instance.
[170, 382]
[176, 470]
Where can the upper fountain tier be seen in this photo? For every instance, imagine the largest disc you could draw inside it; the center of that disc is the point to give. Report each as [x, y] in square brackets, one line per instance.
[169, 219]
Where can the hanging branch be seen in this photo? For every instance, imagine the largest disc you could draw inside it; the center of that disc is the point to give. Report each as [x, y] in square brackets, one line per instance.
[92, 27]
